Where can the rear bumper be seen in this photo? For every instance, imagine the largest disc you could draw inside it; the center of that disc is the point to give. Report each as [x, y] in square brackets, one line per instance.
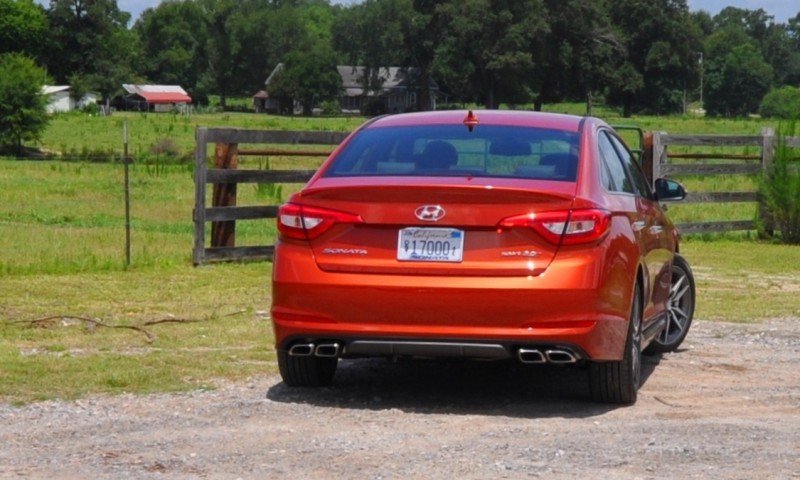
[575, 303]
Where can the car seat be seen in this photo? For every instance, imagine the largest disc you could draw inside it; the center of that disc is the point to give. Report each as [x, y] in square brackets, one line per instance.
[438, 155]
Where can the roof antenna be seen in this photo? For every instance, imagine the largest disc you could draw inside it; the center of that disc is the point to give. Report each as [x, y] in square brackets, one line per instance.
[471, 121]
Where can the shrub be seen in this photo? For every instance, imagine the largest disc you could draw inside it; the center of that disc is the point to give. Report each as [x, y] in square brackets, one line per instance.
[22, 104]
[781, 103]
[780, 189]
[331, 107]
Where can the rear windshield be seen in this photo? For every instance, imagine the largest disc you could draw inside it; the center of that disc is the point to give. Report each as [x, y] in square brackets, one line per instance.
[452, 150]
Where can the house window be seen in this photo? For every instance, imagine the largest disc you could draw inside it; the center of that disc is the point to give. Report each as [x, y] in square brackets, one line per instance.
[412, 99]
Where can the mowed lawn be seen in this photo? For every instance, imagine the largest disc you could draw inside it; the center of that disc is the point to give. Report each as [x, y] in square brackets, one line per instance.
[64, 288]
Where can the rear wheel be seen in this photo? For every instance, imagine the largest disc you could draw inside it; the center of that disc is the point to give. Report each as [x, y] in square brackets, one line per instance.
[680, 309]
[618, 382]
[306, 371]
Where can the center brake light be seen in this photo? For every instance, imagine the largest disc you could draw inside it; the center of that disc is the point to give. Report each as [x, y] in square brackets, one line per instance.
[564, 227]
[303, 222]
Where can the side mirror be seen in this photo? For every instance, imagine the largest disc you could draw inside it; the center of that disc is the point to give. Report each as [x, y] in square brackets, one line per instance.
[669, 190]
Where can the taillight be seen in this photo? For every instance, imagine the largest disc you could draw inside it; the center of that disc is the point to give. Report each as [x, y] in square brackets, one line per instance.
[564, 227]
[302, 222]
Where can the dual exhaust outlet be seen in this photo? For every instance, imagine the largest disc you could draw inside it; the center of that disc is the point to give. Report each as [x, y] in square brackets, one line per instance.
[328, 350]
[555, 356]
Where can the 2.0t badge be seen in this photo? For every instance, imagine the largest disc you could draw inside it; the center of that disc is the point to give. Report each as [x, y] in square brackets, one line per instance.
[430, 213]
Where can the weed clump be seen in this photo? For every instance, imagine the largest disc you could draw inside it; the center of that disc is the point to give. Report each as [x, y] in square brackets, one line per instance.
[780, 189]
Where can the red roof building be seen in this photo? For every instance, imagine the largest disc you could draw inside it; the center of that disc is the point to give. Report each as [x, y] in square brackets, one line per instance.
[156, 97]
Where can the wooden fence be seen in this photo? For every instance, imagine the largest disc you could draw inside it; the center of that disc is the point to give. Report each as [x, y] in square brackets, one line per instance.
[707, 164]
[223, 213]
[225, 176]
[675, 164]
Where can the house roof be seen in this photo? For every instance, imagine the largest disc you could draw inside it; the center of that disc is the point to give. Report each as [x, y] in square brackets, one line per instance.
[353, 78]
[165, 97]
[261, 94]
[51, 89]
[159, 93]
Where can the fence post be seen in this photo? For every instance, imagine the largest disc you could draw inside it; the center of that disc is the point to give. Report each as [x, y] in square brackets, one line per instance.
[647, 158]
[767, 221]
[659, 152]
[199, 214]
[223, 234]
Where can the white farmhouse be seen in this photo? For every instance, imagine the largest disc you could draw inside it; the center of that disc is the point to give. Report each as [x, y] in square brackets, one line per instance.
[60, 100]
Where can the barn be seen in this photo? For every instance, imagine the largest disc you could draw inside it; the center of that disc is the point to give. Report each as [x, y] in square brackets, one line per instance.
[153, 98]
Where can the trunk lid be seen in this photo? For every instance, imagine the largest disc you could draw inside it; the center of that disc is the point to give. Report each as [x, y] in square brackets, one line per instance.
[472, 209]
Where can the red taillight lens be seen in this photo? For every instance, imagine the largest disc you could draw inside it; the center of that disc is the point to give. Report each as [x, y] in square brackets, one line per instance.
[302, 222]
[564, 227]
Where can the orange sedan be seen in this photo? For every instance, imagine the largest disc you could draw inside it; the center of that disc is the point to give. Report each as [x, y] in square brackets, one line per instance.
[498, 235]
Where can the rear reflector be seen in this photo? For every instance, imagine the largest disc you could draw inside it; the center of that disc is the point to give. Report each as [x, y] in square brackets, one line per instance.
[302, 222]
[564, 227]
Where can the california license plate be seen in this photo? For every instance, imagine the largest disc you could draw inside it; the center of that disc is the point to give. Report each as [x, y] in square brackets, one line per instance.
[430, 244]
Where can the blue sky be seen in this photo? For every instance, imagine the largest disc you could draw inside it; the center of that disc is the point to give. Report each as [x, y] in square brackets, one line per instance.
[782, 10]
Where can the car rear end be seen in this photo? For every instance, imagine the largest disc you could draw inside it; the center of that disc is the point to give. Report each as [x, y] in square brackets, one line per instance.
[431, 235]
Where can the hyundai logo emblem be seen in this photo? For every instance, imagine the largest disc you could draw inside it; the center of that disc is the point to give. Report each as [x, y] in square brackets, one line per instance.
[430, 213]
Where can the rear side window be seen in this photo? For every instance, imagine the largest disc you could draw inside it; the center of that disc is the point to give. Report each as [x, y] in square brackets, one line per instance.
[452, 150]
[612, 173]
[639, 180]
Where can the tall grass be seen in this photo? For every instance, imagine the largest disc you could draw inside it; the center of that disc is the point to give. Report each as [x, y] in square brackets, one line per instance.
[780, 188]
[69, 217]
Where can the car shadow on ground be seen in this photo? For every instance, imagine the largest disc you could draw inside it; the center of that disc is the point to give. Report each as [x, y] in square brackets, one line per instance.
[459, 387]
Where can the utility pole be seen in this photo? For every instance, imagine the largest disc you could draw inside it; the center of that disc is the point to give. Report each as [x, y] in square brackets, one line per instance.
[702, 105]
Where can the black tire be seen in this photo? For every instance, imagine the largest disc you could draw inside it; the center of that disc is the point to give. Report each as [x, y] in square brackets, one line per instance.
[306, 371]
[618, 382]
[680, 309]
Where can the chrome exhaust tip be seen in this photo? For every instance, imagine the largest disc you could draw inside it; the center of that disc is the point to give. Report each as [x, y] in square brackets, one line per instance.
[328, 350]
[560, 356]
[526, 355]
[301, 350]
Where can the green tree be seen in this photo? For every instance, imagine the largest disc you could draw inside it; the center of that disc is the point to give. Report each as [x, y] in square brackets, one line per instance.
[384, 33]
[22, 103]
[662, 42]
[736, 83]
[90, 38]
[372, 35]
[219, 75]
[490, 49]
[264, 33]
[776, 41]
[172, 38]
[584, 52]
[782, 53]
[781, 102]
[309, 77]
[23, 27]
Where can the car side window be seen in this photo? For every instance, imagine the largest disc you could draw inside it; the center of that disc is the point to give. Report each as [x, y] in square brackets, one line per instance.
[618, 180]
[639, 180]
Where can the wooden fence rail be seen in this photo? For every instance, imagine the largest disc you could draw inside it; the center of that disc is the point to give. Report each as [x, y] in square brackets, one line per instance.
[662, 166]
[223, 213]
[225, 176]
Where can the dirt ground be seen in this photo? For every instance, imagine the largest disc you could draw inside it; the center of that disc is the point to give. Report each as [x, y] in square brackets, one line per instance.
[726, 407]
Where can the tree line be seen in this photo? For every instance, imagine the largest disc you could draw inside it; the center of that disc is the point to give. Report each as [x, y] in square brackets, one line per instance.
[643, 56]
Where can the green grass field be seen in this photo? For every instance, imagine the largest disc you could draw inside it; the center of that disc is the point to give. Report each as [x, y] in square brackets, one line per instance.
[62, 250]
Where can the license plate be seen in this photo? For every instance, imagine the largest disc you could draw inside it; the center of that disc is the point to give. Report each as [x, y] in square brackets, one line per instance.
[430, 245]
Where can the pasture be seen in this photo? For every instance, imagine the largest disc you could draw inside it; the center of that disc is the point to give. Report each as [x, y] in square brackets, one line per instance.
[64, 287]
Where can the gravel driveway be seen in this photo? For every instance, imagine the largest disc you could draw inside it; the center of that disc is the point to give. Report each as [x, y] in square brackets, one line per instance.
[726, 407]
